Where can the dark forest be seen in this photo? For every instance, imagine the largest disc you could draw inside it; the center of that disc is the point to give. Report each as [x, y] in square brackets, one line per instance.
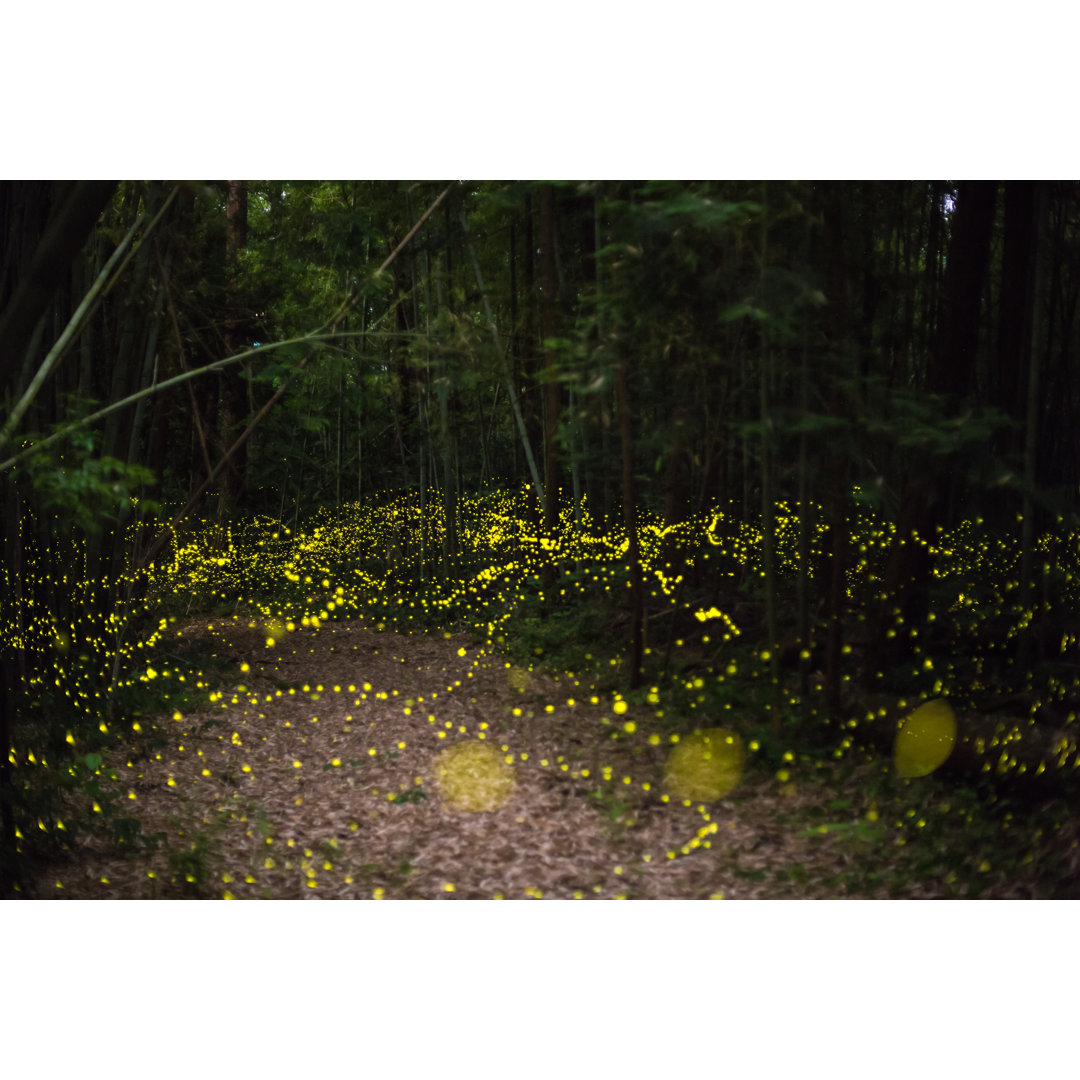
[539, 539]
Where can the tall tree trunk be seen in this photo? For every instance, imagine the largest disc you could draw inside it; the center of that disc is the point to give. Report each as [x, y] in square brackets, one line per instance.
[515, 340]
[511, 388]
[629, 509]
[552, 391]
[962, 289]
[1015, 307]
[402, 393]
[837, 485]
[589, 225]
[931, 291]
[234, 388]
[44, 229]
[1031, 419]
[905, 596]
[768, 497]
[529, 402]
[75, 210]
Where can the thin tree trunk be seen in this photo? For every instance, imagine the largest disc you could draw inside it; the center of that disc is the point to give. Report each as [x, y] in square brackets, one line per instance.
[905, 594]
[837, 467]
[234, 388]
[360, 387]
[510, 388]
[529, 406]
[552, 395]
[768, 497]
[69, 225]
[1031, 421]
[629, 509]
[802, 586]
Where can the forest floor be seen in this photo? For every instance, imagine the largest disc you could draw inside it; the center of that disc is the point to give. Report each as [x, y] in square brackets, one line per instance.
[311, 777]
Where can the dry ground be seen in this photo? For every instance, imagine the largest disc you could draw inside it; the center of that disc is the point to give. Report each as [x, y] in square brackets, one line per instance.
[282, 789]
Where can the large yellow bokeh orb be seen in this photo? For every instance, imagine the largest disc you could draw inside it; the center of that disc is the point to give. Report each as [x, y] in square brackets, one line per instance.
[518, 678]
[705, 766]
[473, 776]
[925, 739]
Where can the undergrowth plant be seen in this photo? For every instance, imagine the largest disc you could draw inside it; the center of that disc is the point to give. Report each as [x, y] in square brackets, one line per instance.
[705, 665]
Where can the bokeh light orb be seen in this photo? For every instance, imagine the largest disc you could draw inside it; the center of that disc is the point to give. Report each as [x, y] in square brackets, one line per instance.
[705, 766]
[473, 776]
[925, 739]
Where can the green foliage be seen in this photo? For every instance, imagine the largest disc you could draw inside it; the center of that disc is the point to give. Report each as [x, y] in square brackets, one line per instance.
[704, 663]
[752, 365]
[81, 486]
[614, 808]
[193, 852]
[414, 796]
[55, 799]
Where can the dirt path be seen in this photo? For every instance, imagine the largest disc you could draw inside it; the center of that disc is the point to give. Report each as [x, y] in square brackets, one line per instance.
[282, 788]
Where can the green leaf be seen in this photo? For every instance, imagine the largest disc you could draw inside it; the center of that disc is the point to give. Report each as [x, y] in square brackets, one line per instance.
[816, 424]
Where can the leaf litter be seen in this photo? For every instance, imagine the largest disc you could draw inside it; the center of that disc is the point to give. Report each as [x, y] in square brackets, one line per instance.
[325, 789]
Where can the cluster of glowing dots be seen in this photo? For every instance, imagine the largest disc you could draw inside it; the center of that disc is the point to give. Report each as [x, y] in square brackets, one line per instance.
[339, 567]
